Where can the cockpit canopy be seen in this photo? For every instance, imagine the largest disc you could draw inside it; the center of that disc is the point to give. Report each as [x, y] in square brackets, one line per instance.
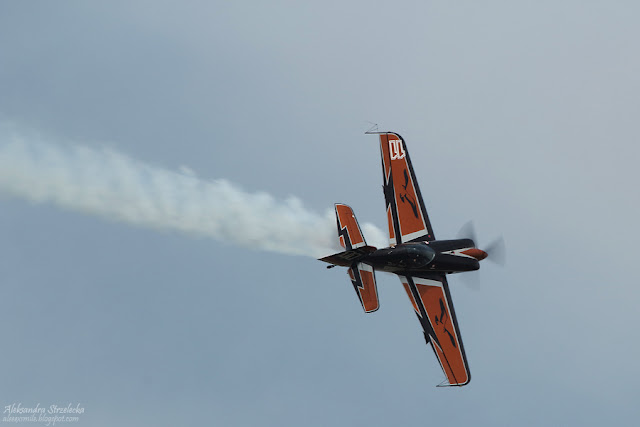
[408, 256]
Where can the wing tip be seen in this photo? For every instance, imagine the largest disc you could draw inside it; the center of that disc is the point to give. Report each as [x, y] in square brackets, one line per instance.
[445, 383]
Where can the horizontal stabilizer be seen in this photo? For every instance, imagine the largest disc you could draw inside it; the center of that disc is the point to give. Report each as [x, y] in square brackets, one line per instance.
[347, 258]
[364, 282]
[349, 232]
[350, 237]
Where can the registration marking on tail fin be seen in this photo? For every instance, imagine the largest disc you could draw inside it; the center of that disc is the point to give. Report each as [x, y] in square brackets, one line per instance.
[406, 213]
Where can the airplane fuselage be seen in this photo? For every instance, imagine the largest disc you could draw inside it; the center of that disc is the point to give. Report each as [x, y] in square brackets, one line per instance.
[442, 256]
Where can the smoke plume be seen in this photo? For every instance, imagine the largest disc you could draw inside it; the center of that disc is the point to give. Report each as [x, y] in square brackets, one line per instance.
[111, 185]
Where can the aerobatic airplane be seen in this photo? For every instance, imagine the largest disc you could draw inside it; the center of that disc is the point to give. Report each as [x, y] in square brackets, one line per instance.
[420, 261]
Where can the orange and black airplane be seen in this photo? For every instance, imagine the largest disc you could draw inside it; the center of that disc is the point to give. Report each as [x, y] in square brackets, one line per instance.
[414, 254]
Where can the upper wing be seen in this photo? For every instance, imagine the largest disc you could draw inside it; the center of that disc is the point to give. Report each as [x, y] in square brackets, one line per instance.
[407, 216]
[432, 302]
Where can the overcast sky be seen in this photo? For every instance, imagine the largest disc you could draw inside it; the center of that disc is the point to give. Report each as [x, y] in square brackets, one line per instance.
[522, 116]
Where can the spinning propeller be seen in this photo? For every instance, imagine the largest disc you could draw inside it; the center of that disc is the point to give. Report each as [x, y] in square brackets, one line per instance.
[495, 252]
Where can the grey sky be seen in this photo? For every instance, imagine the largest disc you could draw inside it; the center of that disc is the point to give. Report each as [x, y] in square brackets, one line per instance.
[522, 117]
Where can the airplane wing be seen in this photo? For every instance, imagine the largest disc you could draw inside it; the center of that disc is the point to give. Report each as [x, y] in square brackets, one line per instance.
[406, 214]
[432, 302]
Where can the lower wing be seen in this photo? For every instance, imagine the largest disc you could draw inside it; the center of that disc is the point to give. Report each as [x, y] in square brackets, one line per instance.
[432, 302]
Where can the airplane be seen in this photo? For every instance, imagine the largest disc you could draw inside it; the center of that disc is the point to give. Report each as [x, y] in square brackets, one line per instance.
[420, 261]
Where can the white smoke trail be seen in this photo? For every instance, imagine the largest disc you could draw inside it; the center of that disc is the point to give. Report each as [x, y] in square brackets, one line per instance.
[111, 185]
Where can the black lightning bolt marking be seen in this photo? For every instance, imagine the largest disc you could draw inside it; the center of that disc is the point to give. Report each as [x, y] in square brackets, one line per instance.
[388, 193]
[344, 232]
[356, 281]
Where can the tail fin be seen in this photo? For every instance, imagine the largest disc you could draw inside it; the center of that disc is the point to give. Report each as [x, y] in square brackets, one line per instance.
[356, 248]
[350, 237]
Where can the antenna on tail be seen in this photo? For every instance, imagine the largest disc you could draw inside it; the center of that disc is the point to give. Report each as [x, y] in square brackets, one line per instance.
[372, 129]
